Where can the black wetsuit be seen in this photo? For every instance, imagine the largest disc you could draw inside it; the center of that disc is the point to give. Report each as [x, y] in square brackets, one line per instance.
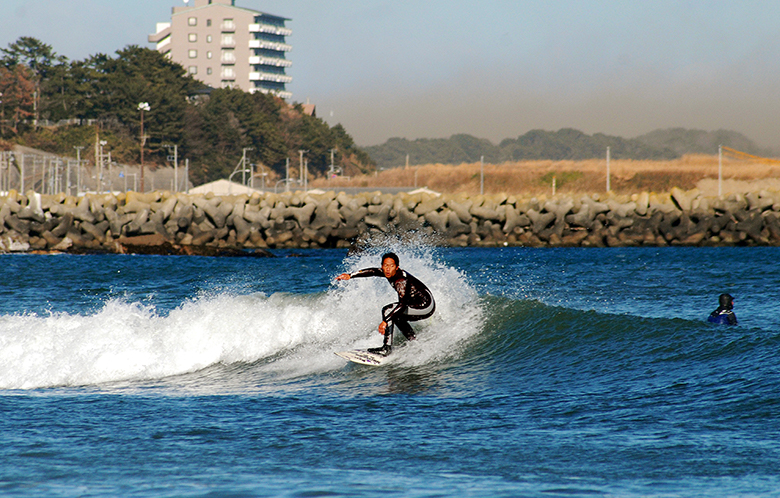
[415, 302]
[723, 316]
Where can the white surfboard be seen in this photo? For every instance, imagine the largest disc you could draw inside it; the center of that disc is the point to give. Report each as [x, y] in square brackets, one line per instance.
[363, 357]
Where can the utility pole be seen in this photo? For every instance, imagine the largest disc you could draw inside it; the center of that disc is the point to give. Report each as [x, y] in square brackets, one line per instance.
[67, 180]
[608, 189]
[99, 187]
[300, 165]
[720, 169]
[78, 169]
[286, 175]
[97, 154]
[21, 170]
[332, 167]
[481, 175]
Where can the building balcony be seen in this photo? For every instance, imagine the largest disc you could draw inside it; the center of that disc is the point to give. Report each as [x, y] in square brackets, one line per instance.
[163, 31]
[269, 45]
[279, 93]
[263, 76]
[267, 28]
[228, 27]
[162, 43]
[269, 61]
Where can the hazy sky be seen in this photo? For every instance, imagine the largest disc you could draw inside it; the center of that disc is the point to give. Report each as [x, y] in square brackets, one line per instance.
[492, 69]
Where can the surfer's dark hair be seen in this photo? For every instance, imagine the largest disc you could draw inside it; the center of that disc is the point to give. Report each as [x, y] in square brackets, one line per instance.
[390, 255]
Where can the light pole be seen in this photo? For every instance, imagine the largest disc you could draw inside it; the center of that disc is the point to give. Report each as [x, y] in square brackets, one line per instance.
[143, 106]
[243, 164]
[230, 179]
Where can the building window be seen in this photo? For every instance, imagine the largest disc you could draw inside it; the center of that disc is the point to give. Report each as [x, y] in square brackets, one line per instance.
[208, 70]
[228, 56]
[208, 22]
[208, 54]
[192, 21]
[208, 38]
[228, 24]
[192, 69]
[228, 40]
[193, 54]
[193, 37]
[228, 73]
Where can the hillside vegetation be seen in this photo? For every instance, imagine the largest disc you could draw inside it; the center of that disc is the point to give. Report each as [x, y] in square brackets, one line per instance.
[563, 145]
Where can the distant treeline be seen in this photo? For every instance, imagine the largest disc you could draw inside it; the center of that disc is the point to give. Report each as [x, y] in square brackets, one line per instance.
[211, 127]
[564, 144]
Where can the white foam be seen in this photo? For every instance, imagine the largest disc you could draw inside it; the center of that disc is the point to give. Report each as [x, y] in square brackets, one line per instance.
[289, 335]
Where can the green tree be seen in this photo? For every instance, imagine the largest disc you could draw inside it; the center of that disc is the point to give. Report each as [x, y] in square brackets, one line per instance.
[229, 121]
[33, 53]
[142, 75]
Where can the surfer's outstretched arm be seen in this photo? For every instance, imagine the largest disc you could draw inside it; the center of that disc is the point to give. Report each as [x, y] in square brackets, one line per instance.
[367, 272]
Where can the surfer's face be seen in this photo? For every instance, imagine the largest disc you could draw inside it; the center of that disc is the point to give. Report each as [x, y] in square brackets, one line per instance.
[389, 268]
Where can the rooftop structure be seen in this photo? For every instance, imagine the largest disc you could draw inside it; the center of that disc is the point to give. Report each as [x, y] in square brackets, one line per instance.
[226, 46]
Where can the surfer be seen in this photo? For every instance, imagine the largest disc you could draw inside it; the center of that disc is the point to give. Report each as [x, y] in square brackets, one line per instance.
[415, 301]
[724, 314]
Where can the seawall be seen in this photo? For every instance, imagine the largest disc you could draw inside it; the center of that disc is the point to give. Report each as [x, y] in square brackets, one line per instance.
[165, 223]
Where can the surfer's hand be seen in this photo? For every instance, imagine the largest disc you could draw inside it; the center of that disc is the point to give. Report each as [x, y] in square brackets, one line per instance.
[343, 276]
[382, 327]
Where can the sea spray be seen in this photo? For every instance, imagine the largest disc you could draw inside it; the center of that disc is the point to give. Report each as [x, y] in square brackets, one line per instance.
[285, 334]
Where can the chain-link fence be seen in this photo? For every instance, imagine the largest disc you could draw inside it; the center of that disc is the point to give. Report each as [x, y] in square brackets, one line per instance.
[25, 169]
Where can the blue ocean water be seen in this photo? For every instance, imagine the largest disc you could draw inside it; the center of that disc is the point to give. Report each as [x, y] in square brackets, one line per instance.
[544, 372]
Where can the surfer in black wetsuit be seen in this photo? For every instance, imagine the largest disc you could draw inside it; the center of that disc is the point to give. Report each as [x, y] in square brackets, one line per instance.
[724, 314]
[415, 301]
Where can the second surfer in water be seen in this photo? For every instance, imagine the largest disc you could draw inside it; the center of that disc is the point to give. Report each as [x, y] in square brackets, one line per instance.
[415, 301]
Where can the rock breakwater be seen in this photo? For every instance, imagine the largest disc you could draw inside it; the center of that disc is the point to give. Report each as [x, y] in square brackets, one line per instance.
[167, 223]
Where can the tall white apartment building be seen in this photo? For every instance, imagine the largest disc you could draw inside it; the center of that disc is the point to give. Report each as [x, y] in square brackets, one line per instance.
[226, 46]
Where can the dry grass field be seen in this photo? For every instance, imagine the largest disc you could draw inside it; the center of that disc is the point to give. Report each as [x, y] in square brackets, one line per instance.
[536, 177]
